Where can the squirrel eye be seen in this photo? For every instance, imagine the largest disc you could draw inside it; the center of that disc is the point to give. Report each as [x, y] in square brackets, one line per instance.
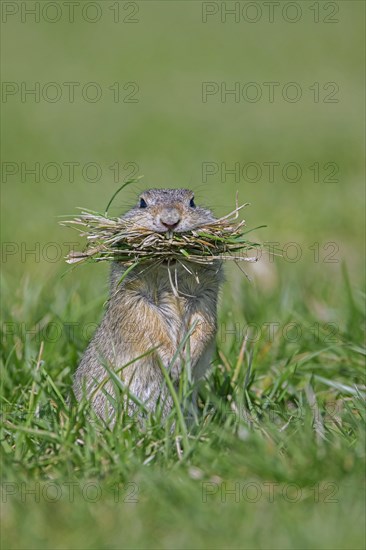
[191, 203]
[143, 203]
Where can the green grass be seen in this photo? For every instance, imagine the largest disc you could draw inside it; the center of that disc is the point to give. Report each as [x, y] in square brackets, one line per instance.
[281, 424]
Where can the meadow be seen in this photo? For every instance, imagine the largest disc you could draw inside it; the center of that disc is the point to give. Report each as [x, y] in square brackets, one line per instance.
[188, 95]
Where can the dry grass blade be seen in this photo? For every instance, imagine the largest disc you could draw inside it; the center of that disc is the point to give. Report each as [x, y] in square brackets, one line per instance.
[120, 239]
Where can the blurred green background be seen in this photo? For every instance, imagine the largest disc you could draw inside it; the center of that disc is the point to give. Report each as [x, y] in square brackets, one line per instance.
[169, 132]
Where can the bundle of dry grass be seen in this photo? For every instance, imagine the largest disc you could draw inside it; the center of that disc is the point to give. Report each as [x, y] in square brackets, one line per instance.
[118, 239]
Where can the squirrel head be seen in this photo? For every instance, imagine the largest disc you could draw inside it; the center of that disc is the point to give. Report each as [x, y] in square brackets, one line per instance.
[161, 210]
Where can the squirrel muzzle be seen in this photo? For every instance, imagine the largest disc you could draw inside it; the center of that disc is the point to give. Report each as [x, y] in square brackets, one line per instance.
[170, 218]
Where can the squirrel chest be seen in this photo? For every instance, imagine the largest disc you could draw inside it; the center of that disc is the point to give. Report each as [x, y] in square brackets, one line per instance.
[169, 291]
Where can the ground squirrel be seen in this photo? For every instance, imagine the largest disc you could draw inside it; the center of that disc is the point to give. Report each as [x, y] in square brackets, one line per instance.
[145, 311]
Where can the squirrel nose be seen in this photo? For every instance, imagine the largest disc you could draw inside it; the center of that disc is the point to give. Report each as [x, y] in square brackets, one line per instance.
[170, 218]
